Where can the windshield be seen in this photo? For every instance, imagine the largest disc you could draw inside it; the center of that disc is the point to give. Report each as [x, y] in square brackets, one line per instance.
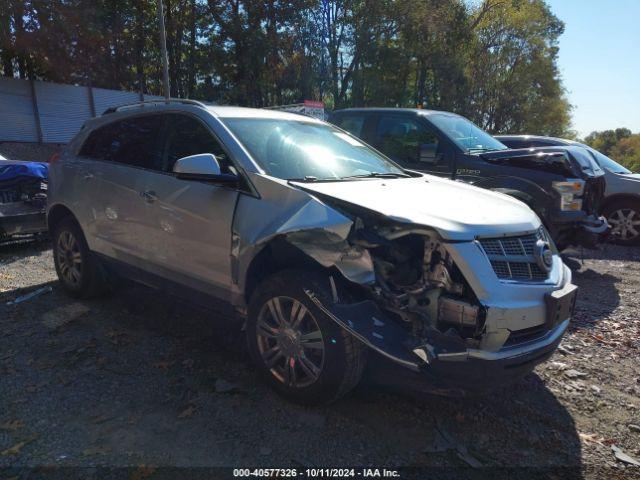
[465, 134]
[302, 150]
[607, 163]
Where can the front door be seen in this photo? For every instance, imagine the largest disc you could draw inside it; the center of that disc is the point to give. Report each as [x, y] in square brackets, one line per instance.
[190, 220]
[409, 142]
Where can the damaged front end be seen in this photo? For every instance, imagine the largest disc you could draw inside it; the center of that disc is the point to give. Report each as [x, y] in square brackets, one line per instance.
[422, 301]
[23, 199]
[416, 303]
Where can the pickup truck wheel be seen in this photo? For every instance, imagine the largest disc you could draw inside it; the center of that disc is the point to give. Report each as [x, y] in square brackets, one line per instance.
[303, 354]
[624, 218]
[77, 267]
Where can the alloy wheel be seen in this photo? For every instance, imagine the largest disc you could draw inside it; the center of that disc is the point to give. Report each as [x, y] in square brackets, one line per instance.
[625, 223]
[290, 342]
[69, 258]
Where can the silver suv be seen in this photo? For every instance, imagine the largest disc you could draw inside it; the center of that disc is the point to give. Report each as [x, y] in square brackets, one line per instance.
[329, 253]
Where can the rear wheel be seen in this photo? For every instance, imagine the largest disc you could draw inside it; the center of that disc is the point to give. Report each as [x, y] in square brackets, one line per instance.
[77, 267]
[624, 218]
[301, 353]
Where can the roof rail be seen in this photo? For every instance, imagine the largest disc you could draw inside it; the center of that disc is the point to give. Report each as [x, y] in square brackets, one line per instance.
[154, 102]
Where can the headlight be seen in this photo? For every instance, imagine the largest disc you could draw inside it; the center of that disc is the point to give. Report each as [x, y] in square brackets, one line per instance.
[568, 191]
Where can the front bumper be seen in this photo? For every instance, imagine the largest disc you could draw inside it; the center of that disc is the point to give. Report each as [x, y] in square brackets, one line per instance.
[474, 373]
[21, 219]
[588, 231]
[524, 323]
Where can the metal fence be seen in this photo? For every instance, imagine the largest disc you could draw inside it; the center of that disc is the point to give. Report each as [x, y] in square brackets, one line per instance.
[34, 111]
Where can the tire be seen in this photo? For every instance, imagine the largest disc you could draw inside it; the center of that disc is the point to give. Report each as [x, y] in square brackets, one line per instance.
[338, 358]
[624, 218]
[77, 267]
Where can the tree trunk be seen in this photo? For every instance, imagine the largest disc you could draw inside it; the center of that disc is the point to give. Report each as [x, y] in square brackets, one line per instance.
[191, 73]
[6, 45]
[140, 46]
[18, 22]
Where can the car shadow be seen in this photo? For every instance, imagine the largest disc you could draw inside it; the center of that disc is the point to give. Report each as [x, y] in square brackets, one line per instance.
[148, 379]
[598, 296]
[14, 251]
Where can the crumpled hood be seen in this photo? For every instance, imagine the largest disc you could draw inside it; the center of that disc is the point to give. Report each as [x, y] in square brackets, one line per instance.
[456, 210]
[565, 160]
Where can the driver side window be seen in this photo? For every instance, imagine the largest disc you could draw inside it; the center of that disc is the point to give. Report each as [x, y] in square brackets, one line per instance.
[186, 136]
[407, 142]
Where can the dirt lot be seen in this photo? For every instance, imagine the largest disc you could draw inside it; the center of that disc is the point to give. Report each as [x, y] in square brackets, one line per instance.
[139, 379]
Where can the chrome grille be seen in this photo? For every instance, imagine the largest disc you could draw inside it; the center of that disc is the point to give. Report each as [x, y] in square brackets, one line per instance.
[513, 257]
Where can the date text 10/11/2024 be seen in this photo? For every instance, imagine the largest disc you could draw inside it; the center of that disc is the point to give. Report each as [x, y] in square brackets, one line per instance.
[316, 473]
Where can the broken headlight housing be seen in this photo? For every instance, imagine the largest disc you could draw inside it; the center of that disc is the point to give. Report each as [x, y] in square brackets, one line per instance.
[570, 191]
[417, 280]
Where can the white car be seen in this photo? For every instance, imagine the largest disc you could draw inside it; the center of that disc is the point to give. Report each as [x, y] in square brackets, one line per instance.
[328, 252]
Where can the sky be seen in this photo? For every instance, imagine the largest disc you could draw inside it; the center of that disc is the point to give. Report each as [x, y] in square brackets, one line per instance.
[600, 62]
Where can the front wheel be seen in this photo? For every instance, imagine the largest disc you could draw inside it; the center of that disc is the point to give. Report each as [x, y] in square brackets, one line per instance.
[303, 354]
[624, 218]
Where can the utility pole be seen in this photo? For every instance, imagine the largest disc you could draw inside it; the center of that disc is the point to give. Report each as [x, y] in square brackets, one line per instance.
[163, 50]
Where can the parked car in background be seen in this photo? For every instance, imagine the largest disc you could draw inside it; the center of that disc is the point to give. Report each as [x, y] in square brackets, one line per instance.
[23, 198]
[621, 205]
[327, 250]
[563, 185]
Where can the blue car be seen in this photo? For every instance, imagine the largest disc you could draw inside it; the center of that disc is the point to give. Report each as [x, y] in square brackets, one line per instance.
[23, 198]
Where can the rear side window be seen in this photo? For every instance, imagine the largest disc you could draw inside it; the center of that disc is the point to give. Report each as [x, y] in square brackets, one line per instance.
[187, 136]
[132, 141]
[352, 124]
[514, 143]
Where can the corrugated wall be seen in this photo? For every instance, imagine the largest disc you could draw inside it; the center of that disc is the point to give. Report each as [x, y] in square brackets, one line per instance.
[17, 121]
[61, 109]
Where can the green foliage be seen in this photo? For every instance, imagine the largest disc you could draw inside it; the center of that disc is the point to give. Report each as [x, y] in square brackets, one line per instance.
[619, 144]
[494, 62]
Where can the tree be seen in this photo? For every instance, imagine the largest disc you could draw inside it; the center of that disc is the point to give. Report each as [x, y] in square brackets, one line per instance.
[495, 62]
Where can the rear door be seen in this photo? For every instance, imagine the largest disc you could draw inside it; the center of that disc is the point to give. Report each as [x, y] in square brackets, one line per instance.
[121, 152]
[409, 142]
[189, 222]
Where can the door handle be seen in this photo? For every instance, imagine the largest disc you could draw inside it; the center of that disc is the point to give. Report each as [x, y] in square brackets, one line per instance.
[149, 195]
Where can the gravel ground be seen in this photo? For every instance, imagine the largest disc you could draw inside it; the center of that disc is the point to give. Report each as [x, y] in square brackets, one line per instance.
[141, 380]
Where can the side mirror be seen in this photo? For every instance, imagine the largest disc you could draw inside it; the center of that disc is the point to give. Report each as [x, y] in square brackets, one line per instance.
[203, 167]
[427, 153]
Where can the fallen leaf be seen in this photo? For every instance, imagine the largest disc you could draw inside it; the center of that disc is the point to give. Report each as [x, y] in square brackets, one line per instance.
[15, 450]
[589, 437]
[164, 366]
[142, 472]
[100, 419]
[12, 425]
[187, 412]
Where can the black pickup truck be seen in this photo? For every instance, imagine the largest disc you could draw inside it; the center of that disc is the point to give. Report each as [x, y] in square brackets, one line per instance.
[563, 185]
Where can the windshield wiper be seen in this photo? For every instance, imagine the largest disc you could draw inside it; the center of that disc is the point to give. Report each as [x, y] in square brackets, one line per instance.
[378, 175]
[306, 178]
[480, 150]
